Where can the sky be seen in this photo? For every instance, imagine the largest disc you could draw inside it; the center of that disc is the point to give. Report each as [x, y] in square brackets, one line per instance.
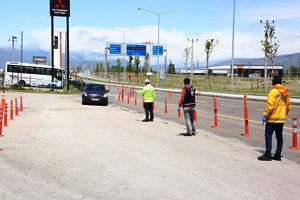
[92, 23]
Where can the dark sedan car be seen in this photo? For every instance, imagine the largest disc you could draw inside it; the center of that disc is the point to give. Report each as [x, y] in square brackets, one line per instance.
[94, 93]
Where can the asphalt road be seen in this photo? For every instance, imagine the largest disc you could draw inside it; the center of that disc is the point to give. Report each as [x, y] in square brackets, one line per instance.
[59, 149]
[231, 123]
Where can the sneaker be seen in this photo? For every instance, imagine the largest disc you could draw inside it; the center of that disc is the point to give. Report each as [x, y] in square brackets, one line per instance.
[193, 133]
[188, 134]
[276, 157]
[264, 157]
[151, 120]
[145, 120]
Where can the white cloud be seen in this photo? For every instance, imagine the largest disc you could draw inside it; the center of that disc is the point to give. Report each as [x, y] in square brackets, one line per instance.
[247, 44]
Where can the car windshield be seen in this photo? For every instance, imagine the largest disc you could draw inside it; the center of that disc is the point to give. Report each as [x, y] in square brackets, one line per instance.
[95, 87]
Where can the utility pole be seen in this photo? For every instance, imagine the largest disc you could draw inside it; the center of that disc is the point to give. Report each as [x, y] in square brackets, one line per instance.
[13, 39]
[192, 56]
[186, 55]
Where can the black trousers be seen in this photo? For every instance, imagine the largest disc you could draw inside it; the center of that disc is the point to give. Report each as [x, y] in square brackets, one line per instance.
[148, 106]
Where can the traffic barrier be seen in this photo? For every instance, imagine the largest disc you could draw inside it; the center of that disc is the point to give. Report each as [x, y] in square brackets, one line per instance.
[16, 107]
[195, 116]
[128, 98]
[1, 120]
[216, 125]
[153, 106]
[246, 118]
[5, 116]
[170, 92]
[21, 103]
[11, 110]
[295, 145]
[166, 106]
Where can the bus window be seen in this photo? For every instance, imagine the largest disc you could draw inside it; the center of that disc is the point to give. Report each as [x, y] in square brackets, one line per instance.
[38, 71]
[59, 75]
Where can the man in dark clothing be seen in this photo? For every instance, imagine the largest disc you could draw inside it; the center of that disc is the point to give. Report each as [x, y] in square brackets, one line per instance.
[188, 103]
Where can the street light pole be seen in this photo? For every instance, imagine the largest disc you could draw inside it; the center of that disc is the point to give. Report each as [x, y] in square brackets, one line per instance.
[105, 72]
[123, 32]
[192, 58]
[232, 50]
[158, 27]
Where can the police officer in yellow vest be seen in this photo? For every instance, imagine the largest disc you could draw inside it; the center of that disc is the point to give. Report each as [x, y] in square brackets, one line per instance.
[149, 95]
[277, 109]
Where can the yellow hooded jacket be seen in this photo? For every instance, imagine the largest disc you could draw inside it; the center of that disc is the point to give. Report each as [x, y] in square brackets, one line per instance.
[278, 105]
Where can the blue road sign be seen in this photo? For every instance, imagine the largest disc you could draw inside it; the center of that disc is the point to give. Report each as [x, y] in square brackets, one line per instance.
[136, 50]
[115, 49]
[157, 50]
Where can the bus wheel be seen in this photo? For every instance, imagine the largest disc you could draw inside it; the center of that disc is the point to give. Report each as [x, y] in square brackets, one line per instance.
[22, 83]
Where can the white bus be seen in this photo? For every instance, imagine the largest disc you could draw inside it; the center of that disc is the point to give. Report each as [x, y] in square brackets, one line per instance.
[26, 74]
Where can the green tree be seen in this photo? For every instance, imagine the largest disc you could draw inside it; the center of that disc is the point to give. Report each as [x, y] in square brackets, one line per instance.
[137, 62]
[119, 68]
[171, 68]
[293, 71]
[269, 44]
[209, 45]
[129, 66]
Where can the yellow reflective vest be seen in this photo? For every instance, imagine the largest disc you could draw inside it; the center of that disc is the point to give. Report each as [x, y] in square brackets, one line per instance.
[278, 105]
[149, 93]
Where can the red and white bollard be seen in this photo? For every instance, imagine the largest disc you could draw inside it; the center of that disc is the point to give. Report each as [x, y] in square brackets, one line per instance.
[11, 110]
[216, 123]
[246, 118]
[5, 116]
[21, 103]
[16, 107]
[1, 120]
[195, 116]
[295, 145]
[166, 106]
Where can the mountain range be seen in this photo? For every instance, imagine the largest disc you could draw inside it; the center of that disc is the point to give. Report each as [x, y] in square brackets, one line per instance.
[79, 59]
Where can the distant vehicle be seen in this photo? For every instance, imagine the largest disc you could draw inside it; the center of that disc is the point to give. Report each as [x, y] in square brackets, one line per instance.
[26, 74]
[94, 93]
[230, 74]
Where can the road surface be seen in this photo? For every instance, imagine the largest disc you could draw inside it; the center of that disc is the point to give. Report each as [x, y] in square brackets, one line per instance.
[58, 149]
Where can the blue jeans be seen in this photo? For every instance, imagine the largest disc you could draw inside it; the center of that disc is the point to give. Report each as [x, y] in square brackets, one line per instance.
[189, 119]
[269, 129]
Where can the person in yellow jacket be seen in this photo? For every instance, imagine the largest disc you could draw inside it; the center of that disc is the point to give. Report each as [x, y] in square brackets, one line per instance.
[149, 95]
[277, 109]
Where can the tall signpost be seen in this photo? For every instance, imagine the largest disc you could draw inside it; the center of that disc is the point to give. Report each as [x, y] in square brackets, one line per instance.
[60, 8]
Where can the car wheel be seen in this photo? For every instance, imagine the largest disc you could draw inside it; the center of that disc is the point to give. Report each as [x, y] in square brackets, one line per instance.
[106, 103]
[83, 102]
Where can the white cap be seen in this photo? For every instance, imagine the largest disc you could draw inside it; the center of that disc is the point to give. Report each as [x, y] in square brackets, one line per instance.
[147, 81]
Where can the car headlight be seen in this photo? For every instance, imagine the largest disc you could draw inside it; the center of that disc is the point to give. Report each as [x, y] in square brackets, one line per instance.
[85, 94]
[105, 95]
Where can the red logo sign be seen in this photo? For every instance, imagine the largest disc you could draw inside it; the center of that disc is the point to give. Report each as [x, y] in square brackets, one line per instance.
[59, 4]
[60, 8]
